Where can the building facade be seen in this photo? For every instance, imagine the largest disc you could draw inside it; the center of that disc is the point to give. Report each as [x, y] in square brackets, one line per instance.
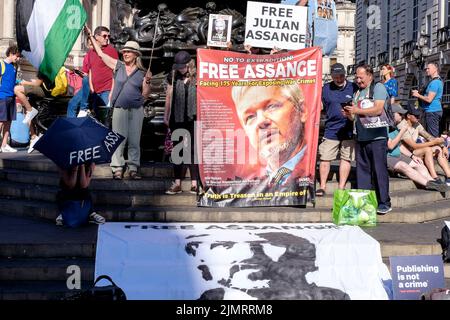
[406, 34]
[345, 51]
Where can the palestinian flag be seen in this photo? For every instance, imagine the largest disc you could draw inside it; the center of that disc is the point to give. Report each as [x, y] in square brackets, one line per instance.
[47, 30]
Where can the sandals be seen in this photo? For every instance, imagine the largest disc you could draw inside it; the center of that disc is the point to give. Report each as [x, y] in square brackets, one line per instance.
[118, 175]
[320, 193]
[135, 176]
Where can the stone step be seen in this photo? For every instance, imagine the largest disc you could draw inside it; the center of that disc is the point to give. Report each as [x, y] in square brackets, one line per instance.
[48, 210]
[49, 269]
[400, 199]
[37, 238]
[37, 290]
[97, 183]
[36, 162]
[408, 239]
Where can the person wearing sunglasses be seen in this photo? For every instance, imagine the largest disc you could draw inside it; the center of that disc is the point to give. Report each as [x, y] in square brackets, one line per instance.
[101, 76]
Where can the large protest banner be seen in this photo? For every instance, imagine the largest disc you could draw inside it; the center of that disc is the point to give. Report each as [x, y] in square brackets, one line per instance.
[207, 261]
[270, 25]
[258, 126]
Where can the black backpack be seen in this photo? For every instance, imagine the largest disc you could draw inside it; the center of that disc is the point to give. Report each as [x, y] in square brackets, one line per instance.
[107, 293]
[445, 243]
[387, 108]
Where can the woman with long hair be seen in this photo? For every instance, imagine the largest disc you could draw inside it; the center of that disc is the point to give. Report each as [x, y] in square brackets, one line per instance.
[131, 85]
[391, 84]
[181, 113]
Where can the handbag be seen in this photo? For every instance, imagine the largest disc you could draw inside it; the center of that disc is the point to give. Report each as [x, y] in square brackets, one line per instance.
[168, 143]
[106, 293]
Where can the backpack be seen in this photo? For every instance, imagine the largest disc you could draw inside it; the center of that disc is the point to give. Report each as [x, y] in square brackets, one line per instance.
[106, 293]
[61, 83]
[75, 213]
[2, 70]
[387, 108]
[445, 243]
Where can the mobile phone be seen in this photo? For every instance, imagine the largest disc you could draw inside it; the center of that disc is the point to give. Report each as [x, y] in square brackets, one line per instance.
[344, 104]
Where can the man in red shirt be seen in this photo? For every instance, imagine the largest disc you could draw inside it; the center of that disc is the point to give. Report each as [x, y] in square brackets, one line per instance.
[101, 75]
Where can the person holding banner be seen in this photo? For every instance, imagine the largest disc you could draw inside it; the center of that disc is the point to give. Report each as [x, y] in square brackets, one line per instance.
[180, 114]
[371, 146]
[131, 85]
[273, 118]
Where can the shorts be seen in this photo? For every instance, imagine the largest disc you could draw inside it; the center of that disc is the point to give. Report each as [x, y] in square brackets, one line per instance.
[392, 161]
[8, 109]
[329, 150]
[36, 91]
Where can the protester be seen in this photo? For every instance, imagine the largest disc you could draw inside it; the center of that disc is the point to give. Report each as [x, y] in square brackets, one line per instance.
[7, 99]
[74, 183]
[130, 87]
[433, 148]
[403, 161]
[39, 87]
[391, 84]
[181, 113]
[371, 146]
[20, 132]
[101, 73]
[81, 99]
[430, 101]
[338, 137]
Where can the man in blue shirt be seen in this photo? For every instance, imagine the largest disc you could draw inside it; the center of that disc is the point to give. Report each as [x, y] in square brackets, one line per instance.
[7, 98]
[431, 100]
[338, 137]
[371, 147]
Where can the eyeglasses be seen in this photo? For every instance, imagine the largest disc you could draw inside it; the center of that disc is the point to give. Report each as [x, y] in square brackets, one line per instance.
[105, 36]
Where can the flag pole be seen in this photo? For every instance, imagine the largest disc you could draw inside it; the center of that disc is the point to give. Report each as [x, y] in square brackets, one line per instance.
[154, 38]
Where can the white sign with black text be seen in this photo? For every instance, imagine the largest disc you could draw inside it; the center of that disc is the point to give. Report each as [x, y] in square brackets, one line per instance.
[271, 25]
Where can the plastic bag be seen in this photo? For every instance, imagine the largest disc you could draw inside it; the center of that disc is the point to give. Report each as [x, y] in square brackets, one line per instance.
[355, 207]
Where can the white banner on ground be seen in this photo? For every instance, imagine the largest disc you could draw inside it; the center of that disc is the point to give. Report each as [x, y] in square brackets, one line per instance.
[270, 25]
[183, 261]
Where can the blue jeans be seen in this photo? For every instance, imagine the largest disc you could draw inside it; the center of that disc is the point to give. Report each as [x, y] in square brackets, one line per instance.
[100, 101]
[81, 99]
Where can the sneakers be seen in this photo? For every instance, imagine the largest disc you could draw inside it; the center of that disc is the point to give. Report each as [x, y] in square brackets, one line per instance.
[33, 142]
[59, 220]
[30, 115]
[433, 185]
[96, 218]
[82, 114]
[383, 209]
[174, 189]
[7, 148]
[194, 190]
[447, 182]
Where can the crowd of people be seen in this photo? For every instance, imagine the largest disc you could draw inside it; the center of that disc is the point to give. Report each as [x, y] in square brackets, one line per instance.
[407, 147]
[116, 90]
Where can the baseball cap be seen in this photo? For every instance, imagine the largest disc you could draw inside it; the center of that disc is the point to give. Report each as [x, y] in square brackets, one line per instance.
[338, 69]
[413, 110]
[398, 108]
[181, 60]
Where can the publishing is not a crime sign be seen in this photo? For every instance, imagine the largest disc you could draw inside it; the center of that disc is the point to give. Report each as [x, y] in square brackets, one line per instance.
[413, 276]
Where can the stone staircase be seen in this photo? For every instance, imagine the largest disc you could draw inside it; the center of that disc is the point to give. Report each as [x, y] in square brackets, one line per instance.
[35, 254]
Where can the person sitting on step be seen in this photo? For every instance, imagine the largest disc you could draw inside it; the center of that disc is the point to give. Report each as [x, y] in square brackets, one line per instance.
[74, 183]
